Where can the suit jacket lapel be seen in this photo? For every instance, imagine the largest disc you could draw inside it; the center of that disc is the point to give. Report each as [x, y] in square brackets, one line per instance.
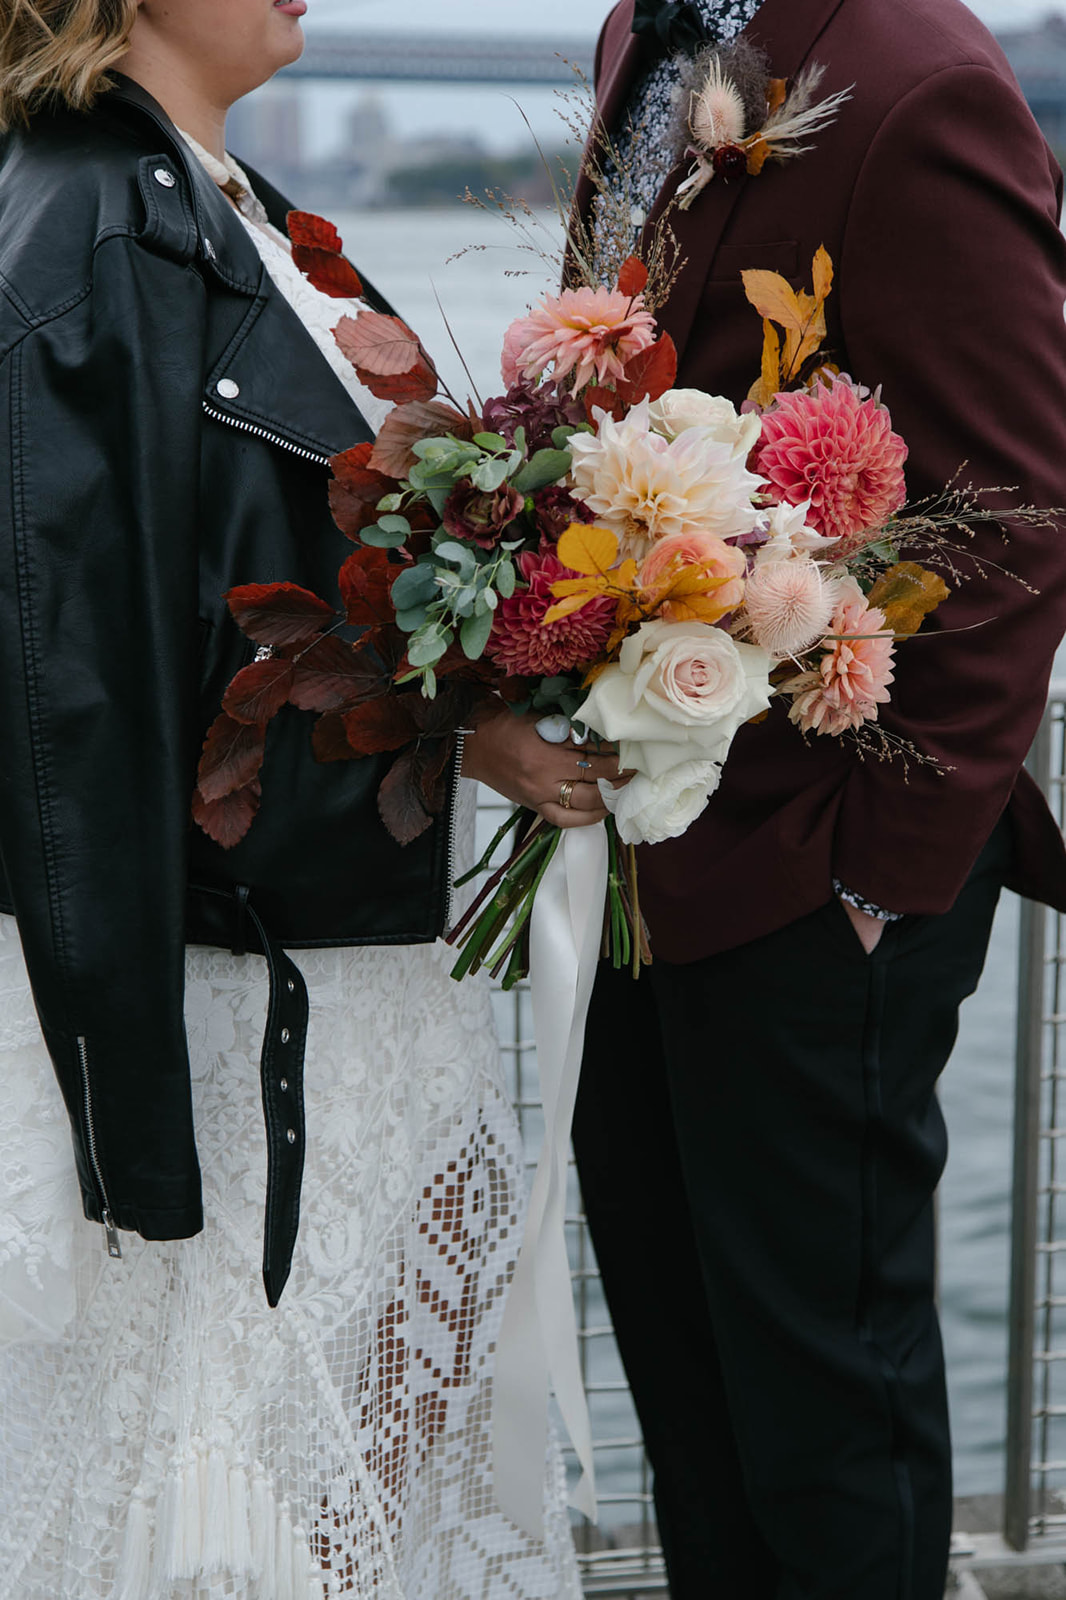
[788, 30]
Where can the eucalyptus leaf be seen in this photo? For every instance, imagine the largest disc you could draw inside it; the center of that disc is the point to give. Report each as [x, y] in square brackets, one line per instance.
[452, 550]
[506, 578]
[489, 475]
[429, 683]
[410, 621]
[394, 524]
[427, 647]
[490, 441]
[383, 538]
[391, 502]
[546, 467]
[520, 439]
[415, 586]
[561, 436]
[488, 599]
[474, 634]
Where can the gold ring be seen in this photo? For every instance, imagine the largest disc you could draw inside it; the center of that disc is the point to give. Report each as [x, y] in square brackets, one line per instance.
[566, 794]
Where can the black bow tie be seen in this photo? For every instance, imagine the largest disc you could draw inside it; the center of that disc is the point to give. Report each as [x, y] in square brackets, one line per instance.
[674, 26]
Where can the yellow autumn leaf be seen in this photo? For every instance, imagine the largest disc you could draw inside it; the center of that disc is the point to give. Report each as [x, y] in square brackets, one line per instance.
[907, 593]
[767, 384]
[570, 603]
[588, 549]
[823, 274]
[774, 297]
[698, 608]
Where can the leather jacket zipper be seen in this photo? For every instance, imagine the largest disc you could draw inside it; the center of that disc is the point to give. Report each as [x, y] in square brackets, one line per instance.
[264, 433]
[453, 826]
[114, 1247]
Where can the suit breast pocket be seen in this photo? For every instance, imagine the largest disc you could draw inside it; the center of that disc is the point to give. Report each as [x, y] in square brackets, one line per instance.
[779, 255]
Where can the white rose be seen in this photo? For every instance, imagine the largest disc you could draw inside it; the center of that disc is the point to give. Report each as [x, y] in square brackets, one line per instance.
[649, 810]
[678, 692]
[680, 409]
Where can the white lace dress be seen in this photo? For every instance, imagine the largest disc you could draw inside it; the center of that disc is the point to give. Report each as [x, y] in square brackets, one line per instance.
[163, 1434]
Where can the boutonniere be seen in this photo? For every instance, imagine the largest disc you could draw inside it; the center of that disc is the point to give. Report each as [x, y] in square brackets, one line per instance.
[739, 116]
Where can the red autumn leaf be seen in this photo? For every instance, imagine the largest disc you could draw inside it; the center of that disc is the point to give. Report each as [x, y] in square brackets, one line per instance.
[329, 740]
[633, 278]
[278, 613]
[305, 228]
[421, 383]
[600, 399]
[332, 275]
[259, 691]
[356, 490]
[365, 582]
[650, 373]
[232, 756]
[334, 676]
[379, 344]
[400, 803]
[404, 427]
[227, 820]
[436, 766]
[382, 724]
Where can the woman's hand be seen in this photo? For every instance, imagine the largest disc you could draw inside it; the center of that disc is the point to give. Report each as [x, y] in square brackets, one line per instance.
[508, 754]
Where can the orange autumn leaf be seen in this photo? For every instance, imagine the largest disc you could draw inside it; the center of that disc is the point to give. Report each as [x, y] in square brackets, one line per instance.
[758, 154]
[587, 549]
[776, 94]
[907, 593]
[801, 316]
[823, 275]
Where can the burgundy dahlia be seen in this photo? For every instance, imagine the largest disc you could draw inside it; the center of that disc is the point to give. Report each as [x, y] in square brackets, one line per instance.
[470, 513]
[539, 410]
[554, 509]
[524, 647]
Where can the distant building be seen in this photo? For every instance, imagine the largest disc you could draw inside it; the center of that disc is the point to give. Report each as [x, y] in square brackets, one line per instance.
[267, 131]
[1038, 56]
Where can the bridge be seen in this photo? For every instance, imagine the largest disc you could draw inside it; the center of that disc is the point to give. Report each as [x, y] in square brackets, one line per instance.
[443, 58]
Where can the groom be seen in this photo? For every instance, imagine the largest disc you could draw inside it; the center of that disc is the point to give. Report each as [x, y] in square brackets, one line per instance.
[757, 1133]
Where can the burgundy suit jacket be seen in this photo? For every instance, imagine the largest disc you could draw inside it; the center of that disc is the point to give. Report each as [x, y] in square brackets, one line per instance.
[939, 202]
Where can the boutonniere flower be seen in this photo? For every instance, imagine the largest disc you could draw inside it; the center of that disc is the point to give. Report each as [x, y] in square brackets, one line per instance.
[739, 117]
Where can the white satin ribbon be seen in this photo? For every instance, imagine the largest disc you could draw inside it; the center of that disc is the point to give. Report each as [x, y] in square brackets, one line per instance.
[537, 1349]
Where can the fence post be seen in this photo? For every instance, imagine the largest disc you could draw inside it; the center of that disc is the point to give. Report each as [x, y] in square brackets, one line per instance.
[1026, 1200]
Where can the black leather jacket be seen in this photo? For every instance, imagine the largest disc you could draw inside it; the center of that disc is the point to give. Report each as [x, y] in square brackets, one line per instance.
[167, 422]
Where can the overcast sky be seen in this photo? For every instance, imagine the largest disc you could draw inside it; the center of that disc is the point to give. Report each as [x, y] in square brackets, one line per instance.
[417, 109]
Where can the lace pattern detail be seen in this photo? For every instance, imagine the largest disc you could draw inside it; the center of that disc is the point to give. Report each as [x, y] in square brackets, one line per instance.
[167, 1436]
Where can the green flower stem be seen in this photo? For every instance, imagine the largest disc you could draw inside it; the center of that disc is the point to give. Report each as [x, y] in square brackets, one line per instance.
[526, 907]
[501, 833]
[509, 895]
[508, 868]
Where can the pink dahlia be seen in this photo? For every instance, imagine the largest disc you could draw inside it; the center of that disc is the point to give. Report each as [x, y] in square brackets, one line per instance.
[520, 641]
[590, 332]
[835, 448]
[853, 676]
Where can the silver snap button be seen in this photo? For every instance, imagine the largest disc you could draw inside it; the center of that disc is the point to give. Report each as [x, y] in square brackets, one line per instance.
[228, 389]
[291, 1136]
[285, 1036]
[292, 987]
[165, 177]
[284, 1085]
[209, 250]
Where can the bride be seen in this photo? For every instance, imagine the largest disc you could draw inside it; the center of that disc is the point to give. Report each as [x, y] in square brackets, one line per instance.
[170, 395]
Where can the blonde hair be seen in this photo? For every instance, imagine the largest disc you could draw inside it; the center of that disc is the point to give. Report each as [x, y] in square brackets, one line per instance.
[58, 52]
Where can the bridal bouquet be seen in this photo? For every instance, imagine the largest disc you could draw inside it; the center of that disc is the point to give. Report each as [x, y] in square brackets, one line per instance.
[640, 564]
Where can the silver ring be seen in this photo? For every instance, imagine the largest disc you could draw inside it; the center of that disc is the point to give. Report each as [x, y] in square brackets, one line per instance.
[566, 793]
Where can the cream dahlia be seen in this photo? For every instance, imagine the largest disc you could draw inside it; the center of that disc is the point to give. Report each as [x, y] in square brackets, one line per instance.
[590, 332]
[645, 487]
[524, 646]
[836, 448]
[853, 676]
[789, 605]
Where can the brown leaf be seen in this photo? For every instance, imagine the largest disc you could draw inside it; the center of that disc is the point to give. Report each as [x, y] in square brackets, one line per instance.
[379, 344]
[404, 427]
[377, 725]
[278, 613]
[232, 756]
[633, 278]
[400, 803]
[436, 766]
[228, 819]
[650, 373]
[329, 740]
[259, 691]
[597, 398]
[335, 676]
[305, 228]
[356, 489]
[365, 583]
[421, 383]
[907, 593]
[330, 274]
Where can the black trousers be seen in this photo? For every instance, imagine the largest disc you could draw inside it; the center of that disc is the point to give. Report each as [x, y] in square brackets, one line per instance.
[759, 1142]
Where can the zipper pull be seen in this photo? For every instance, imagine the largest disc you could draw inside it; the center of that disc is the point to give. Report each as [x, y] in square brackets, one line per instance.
[114, 1247]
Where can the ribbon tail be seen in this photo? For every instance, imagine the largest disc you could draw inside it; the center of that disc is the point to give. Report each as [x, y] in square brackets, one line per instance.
[538, 1349]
